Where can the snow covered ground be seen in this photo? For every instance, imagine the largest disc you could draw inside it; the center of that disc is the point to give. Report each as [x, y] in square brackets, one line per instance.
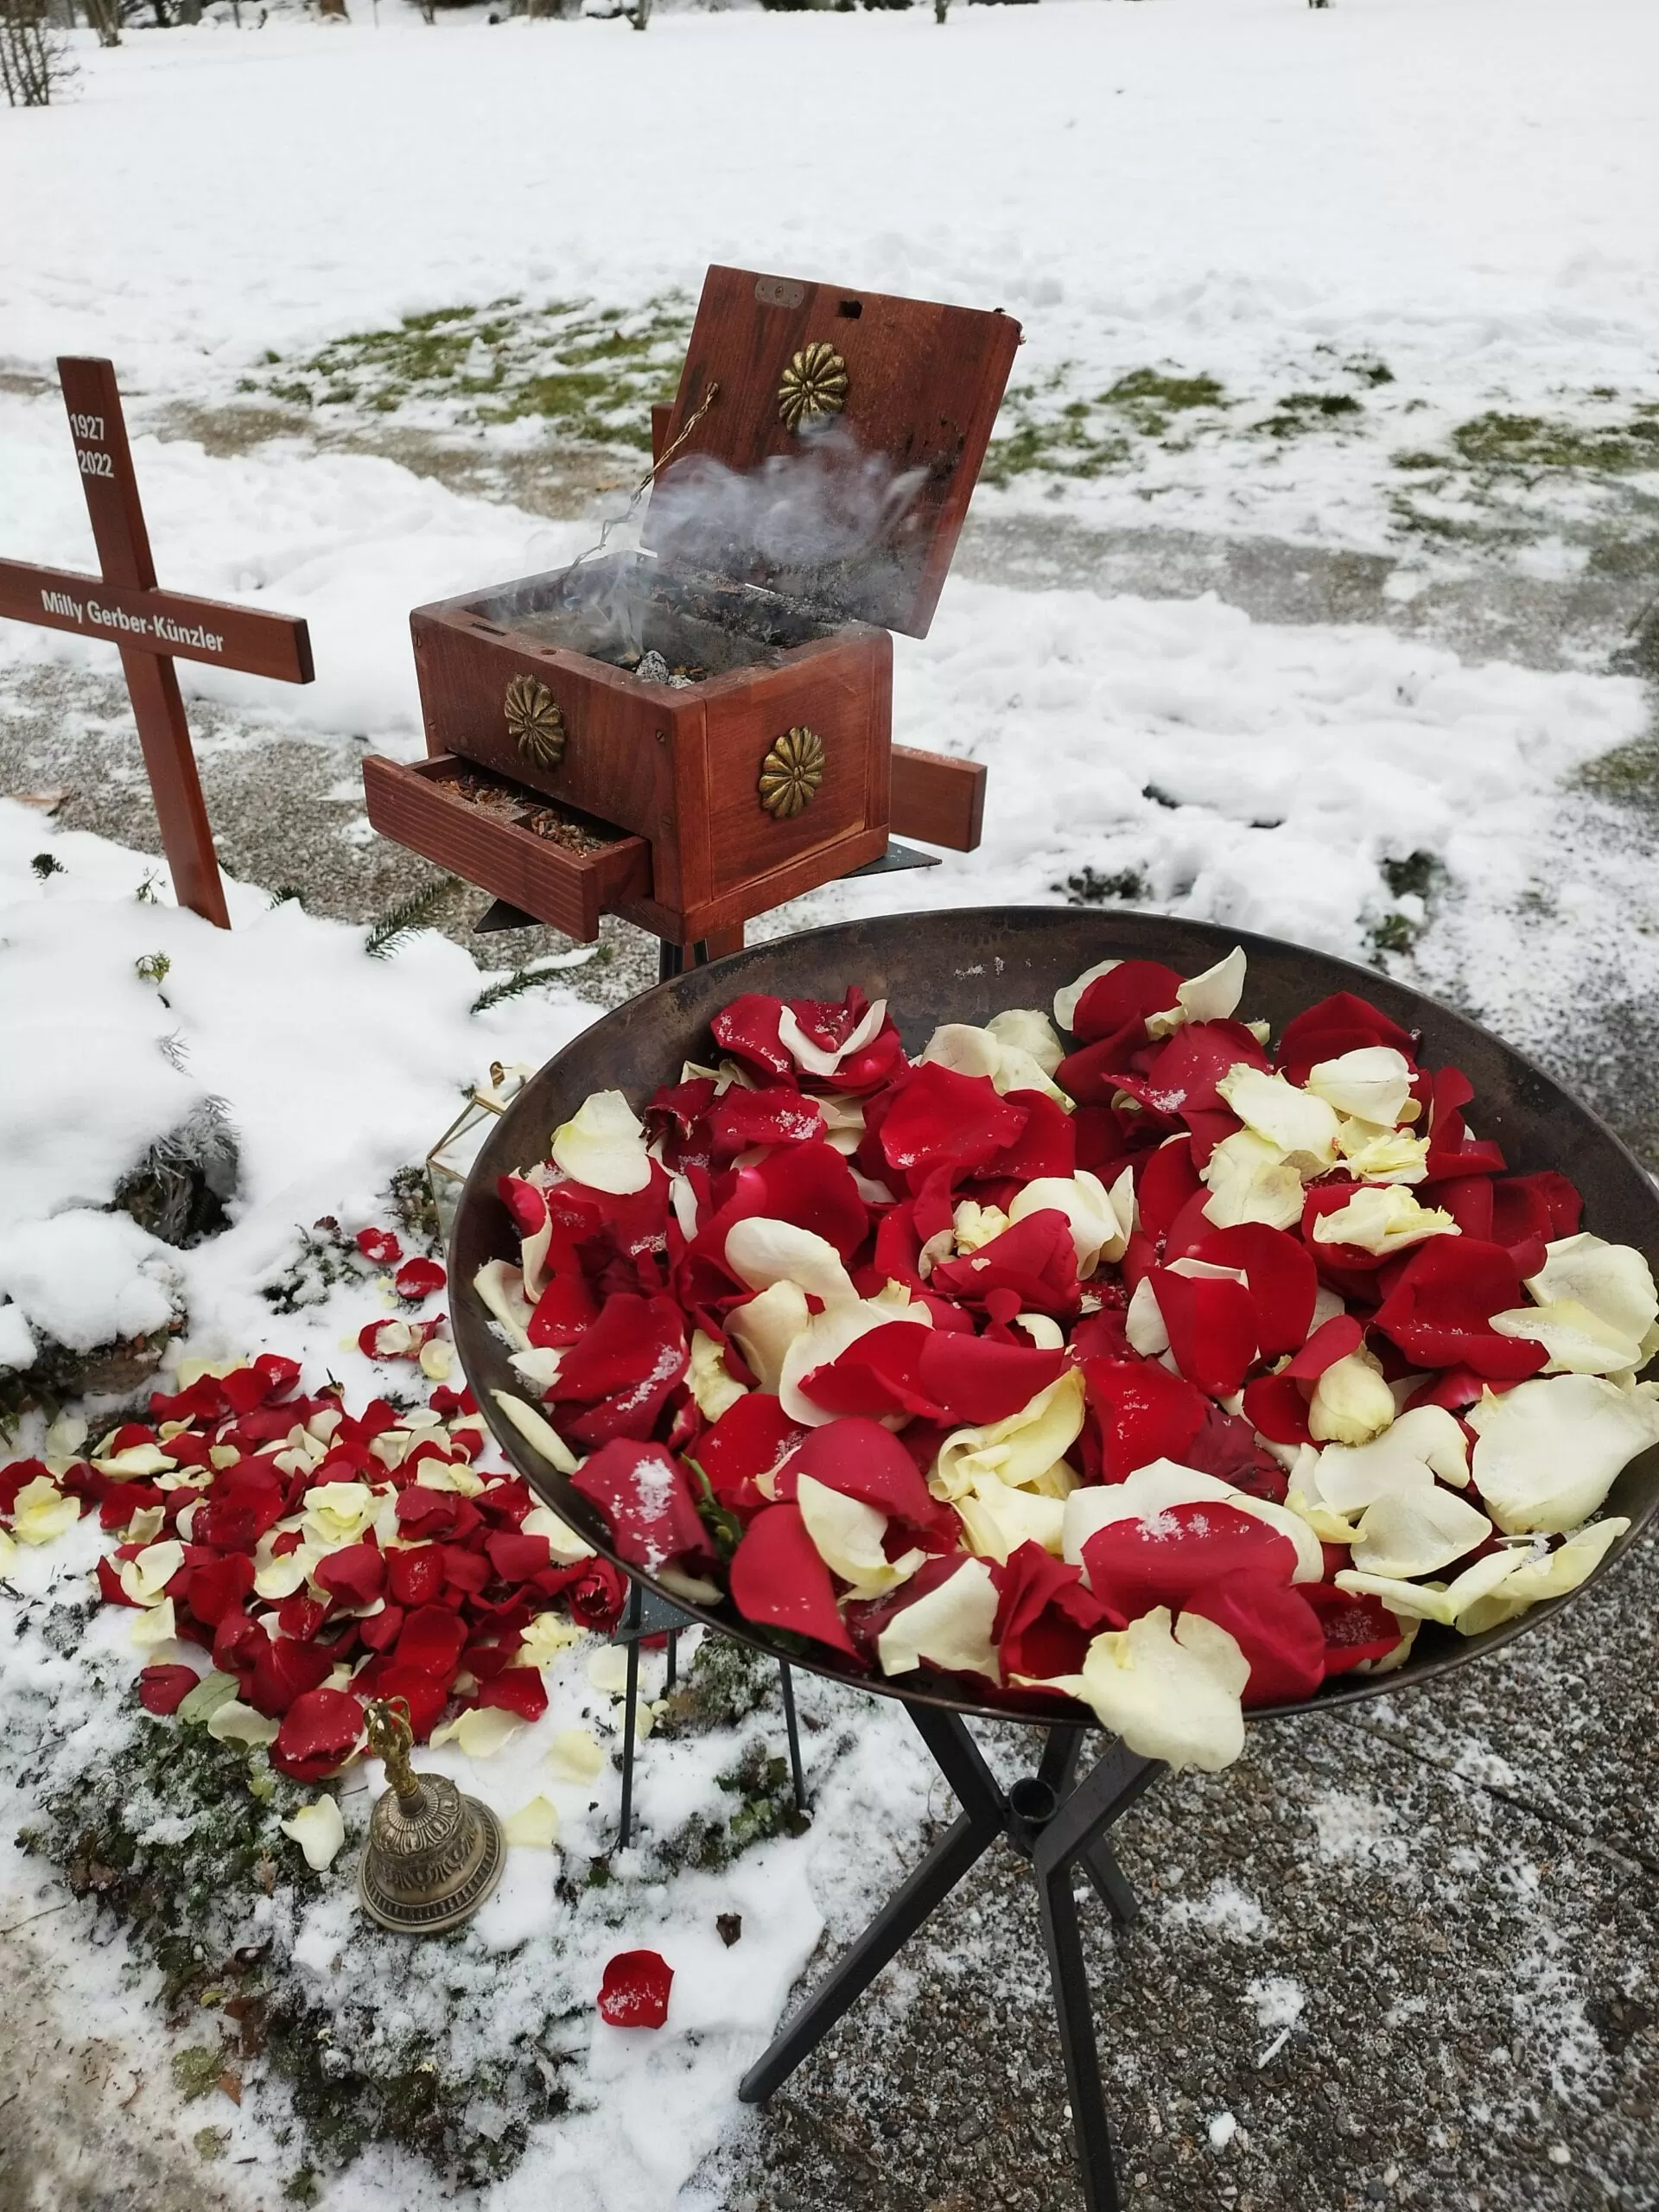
[1261, 252]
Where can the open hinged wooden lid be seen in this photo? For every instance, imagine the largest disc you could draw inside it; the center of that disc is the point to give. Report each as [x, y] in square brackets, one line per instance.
[835, 461]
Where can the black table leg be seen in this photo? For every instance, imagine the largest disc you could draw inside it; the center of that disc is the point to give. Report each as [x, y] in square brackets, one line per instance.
[1057, 1823]
[898, 1919]
[1063, 1943]
[629, 1719]
[792, 1729]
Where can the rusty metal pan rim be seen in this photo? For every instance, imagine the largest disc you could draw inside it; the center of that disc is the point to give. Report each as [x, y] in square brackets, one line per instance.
[482, 1229]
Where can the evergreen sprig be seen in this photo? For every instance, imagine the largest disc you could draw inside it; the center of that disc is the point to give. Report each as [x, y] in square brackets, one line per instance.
[419, 911]
[513, 986]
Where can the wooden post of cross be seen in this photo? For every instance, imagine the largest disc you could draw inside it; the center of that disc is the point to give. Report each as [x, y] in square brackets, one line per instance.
[151, 627]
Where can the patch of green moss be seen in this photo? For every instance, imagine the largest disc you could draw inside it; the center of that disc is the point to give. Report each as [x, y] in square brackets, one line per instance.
[196, 2070]
[1046, 430]
[592, 374]
[1417, 875]
[1089, 888]
[1395, 933]
[1628, 771]
[169, 1838]
[1298, 412]
[761, 1783]
[725, 1683]
[1531, 443]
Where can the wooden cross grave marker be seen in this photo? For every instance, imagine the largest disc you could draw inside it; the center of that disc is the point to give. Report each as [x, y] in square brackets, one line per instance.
[150, 627]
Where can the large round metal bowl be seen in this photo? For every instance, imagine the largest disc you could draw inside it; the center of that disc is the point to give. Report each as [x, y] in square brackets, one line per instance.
[966, 966]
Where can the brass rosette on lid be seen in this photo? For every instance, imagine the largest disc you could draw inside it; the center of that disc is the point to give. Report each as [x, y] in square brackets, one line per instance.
[791, 773]
[815, 383]
[534, 722]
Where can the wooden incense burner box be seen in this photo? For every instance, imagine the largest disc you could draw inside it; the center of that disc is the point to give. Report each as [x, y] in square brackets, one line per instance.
[711, 717]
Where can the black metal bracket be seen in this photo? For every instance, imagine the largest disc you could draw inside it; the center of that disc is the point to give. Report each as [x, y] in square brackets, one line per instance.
[1057, 1824]
[897, 857]
[498, 915]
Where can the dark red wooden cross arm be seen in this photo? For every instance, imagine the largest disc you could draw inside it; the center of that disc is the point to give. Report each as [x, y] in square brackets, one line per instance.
[150, 627]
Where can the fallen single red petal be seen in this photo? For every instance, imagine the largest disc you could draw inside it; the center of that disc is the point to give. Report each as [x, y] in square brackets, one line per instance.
[418, 1279]
[379, 1245]
[634, 1991]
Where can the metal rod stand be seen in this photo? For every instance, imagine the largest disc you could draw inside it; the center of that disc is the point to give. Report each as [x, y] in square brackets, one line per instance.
[1056, 1824]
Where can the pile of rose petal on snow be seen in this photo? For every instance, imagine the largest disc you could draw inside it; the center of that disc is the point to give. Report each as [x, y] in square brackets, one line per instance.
[1120, 1357]
[321, 1557]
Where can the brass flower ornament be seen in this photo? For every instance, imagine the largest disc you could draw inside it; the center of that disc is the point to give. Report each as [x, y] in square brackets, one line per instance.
[534, 722]
[814, 384]
[791, 773]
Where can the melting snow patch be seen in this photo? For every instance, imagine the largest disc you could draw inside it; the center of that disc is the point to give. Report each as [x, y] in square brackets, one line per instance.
[1223, 2128]
[1224, 1909]
[1356, 1828]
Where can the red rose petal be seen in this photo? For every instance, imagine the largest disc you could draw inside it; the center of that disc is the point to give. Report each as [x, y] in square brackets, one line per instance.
[1145, 1412]
[515, 1689]
[425, 1698]
[1165, 1185]
[1439, 1309]
[748, 1029]
[941, 1116]
[779, 1115]
[516, 1558]
[320, 1729]
[751, 1438]
[778, 1580]
[648, 1501]
[1332, 1340]
[1047, 1146]
[379, 1245]
[1127, 992]
[863, 1461]
[1045, 1617]
[635, 1352]
[1275, 1628]
[379, 1631]
[1036, 1259]
[418, 1279]
[876, 1374]
[1282, 1279]
[220, 1585]
[635, 1989]
[1355, 1629]
[977, 1383]
[1213, 1329]
[1340, 1024]
[431, 1643]
[163, 1689]
[524, 1202]
[415, 1573]
[356, 1575]
[1277, 1408]
[1134, 1566]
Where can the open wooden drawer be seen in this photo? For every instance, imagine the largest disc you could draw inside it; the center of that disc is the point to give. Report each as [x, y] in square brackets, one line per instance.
[569, 883]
